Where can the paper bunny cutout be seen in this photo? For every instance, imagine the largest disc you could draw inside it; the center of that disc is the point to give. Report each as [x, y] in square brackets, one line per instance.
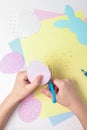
[75, 24]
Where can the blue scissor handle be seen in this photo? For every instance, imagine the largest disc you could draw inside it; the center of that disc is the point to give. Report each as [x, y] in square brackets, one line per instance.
[51, 88]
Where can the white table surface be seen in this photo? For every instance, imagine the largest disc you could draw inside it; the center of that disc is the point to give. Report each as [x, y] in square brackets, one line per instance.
[12, 7]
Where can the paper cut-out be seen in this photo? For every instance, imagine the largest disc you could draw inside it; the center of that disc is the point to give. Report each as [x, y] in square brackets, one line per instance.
[44, 15]
[15, 45]
[11, 63]
[55, 120]
[75, 24]
[36, 68]
[29, 109]
[28, 23]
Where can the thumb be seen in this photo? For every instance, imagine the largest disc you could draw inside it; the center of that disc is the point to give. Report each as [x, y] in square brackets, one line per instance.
[35, 83]
[57, 83]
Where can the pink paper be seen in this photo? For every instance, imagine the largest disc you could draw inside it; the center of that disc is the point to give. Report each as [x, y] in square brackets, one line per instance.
[86, 19]
[36, 68]
[11, 63]
[43, 15]
[29, 109]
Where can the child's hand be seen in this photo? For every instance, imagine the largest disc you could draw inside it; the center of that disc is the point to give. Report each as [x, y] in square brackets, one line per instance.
[23, 87]
[65, 92]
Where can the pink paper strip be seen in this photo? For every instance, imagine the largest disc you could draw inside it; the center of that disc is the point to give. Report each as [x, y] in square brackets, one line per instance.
[43, 15]
[86, 19]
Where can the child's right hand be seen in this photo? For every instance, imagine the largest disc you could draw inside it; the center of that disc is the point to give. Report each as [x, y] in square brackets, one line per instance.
[65, 93]
[67, 96]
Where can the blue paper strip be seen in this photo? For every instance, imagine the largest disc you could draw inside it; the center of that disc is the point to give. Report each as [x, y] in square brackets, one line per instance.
[15, 45]
[55, 120]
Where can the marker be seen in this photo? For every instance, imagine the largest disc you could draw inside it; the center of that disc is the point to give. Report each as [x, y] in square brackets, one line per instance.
[84, 72]
[51, 88]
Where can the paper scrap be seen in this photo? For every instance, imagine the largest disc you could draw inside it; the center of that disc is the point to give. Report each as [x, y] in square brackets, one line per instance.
[11, 63]
[29, 109]
[28, 23]
[55, 120]
[44, 15]
[15, 45]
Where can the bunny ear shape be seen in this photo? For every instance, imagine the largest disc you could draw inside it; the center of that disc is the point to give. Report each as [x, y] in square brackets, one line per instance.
[69, 12]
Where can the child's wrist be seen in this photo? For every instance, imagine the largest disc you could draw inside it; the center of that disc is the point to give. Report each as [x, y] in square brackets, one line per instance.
[14, 98]
[76, 106]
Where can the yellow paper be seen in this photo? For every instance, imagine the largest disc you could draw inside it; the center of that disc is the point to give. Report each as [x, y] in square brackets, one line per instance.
[61, 51]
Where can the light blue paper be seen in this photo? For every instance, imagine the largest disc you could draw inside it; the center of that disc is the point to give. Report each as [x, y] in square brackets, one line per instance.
[75, 24]
[15, 45]
[55, 120]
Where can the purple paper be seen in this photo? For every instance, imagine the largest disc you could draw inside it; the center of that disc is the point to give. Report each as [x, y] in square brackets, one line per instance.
[36, 68]
[11, 63]
[29, 109]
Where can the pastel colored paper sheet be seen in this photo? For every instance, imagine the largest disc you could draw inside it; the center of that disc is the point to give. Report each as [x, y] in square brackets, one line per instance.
[58, 49]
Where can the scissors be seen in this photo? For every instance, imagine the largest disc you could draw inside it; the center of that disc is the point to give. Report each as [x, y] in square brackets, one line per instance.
[52, 90]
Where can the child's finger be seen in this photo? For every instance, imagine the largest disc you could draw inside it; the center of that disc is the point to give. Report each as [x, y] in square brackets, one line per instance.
[37, 80]
[22, 75]
[46, 92]
[57, 82]
[35, 83]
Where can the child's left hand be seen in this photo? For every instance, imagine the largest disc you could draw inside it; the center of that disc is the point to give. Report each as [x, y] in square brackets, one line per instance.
[23, 87]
